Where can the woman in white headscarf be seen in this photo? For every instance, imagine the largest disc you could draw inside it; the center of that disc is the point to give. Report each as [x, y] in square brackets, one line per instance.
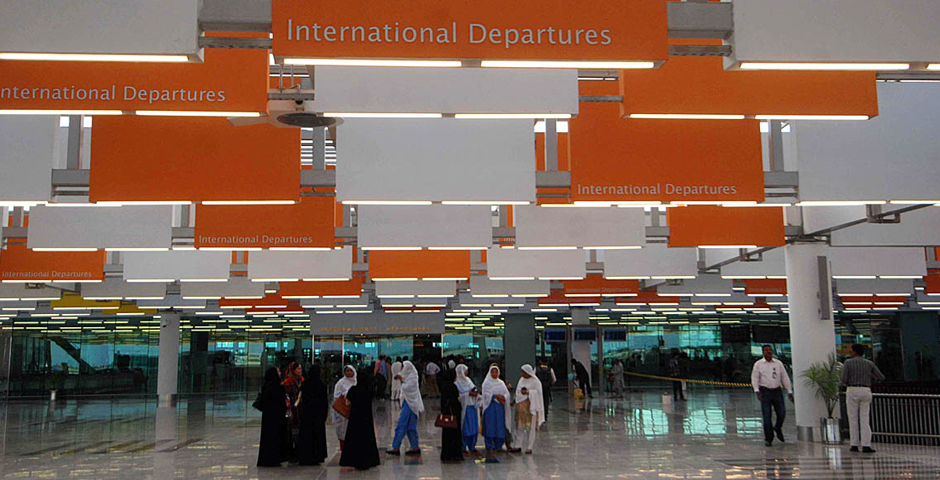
[396, 383]
[340, 390]
[411, 407]
[530, 409]
[470, 404]
[497, 416]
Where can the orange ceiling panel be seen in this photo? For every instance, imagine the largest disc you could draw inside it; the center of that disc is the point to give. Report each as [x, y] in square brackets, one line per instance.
[308, 224]
[331, 289]
[229, 80]
[421, 264]
[615, 159]
[19, 264]
[192, 159]
[708, 225]
[597, 285]
[700, 85]
[769, 286]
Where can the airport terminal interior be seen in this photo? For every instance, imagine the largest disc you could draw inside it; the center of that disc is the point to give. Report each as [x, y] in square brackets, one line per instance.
[679, 221]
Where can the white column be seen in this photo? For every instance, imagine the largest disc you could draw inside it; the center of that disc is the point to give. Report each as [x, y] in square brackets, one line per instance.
[581, 349]
[812, 331]
[168, 358]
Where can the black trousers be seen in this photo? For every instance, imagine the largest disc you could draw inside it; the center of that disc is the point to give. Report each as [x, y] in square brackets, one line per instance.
[585, 384]
[771, 400]
[677, 390]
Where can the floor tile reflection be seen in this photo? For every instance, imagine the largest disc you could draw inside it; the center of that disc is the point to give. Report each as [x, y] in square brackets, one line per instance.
[716, 434]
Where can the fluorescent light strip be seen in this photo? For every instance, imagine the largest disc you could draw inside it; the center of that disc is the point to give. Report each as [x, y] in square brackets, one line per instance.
[478, 116]
[914, 202]
[686, 116]
[727, 246]
[386, 202]
[558, 247]
[613, 247]
[382, 115]
[812, 117]
[194, 113]
[489, 202]
[566, 64]
[933, 66]
[249, 202]
[457, 248]
[823, 66]
[838, 203]
[94, 57]
[390, 248]
[302, 249]
[64, 249]
[349, 62]
[138, 249]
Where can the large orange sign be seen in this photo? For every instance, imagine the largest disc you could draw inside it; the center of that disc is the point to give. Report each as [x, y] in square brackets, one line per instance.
[708, 225]
[18, 264]
[599, 30]
[419, 264]
[331, 289]
[615, 159]
[192, 159]
[308, 224]
[701, 86]
[597, 285]
[230, 80]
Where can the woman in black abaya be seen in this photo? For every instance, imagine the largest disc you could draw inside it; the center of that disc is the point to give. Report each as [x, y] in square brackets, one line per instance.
[451, 439]
[311, 443]
[360, 450]
[273, 408]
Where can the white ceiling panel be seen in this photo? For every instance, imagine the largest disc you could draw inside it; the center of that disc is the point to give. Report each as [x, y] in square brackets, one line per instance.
[515, 264]
[235, 287]
[446, 90]
[482, 286]
[182, 265]
[117, 289]
[435, 160]
[274, 265]
[128, 227]
[422, 289]
[878, 261]
[538, 226]
[447, 226]
[27, 154]
[653, 260]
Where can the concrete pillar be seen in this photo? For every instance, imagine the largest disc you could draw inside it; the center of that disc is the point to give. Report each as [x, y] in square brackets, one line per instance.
[519, 344]
[581, 349]
[168, 359]
[812, 330]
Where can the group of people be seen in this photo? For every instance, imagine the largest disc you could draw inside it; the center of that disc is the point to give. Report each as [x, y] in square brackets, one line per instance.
[769, 379]
[295, 408]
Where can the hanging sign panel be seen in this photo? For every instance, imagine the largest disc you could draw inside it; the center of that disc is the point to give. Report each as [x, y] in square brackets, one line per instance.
[655, 160]
[193, 160]
[231, 82]
[20, 265]
[693, 86]
[308, 225]
[419, 264]
[713, 226]
[631, 31]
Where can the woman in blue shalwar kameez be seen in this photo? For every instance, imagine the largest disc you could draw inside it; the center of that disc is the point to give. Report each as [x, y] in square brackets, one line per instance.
[497, 417]
[470, 401]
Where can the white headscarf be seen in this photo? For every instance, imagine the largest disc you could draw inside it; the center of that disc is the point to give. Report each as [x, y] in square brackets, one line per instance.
[410, 388]
[464, 384]
[495, 386]
[344, 384]
[534, 387]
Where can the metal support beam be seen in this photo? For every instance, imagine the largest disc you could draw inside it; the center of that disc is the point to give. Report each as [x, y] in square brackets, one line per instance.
[319, 149]
[551, 145]
[73, 158]
[775, 140]
[699, 20]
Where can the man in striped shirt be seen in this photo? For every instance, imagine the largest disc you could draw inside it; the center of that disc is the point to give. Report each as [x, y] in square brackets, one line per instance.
[857, 374]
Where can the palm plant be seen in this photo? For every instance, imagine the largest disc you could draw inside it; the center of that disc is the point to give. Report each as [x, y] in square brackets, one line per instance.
[826, 378]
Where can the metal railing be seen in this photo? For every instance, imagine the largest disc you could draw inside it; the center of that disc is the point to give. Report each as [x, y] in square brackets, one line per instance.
[903, 418]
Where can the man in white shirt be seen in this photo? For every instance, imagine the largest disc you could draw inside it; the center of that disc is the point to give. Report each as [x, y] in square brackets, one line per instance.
[769, 378]
[431, 372]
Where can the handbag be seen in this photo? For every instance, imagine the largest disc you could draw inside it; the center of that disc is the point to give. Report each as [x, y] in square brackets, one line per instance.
[446, 421]
[341, 405]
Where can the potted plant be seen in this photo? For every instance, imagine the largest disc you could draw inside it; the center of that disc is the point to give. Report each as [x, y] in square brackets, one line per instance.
[826, 378]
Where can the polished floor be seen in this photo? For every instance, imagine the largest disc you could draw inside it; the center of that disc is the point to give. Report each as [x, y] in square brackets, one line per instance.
[716, 434]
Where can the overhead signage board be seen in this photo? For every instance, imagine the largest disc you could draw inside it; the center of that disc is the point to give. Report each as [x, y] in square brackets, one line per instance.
[487, 30]
[305, 225]
[378, 323]
[712, 226]
[20, 265]
[617, 159]
[231, 81]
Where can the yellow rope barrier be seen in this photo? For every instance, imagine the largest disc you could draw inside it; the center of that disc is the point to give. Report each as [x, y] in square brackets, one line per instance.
[704, 382]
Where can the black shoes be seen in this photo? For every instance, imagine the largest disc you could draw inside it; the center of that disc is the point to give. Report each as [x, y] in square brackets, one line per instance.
[413, 451]
[780, 435]
[393, 452]
[768, 443]
[853, 449]
[868, 450]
